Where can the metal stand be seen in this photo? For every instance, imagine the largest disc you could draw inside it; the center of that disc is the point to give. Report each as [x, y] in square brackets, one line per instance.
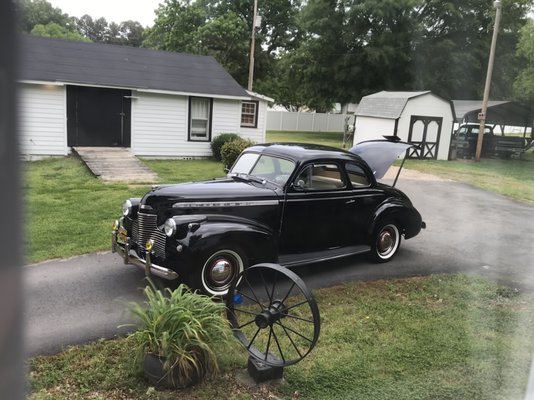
[261, 372]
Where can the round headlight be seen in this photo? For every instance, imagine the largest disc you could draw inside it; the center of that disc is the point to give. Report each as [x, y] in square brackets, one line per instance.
[126, 208]
[170, 227]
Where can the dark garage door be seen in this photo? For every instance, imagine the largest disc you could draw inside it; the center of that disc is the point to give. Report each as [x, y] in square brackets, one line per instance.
[98, 116]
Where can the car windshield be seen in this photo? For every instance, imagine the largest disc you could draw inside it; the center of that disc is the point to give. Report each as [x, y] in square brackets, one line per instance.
[266, 167]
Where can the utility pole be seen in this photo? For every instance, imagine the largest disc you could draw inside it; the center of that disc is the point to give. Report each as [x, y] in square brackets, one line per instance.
[252, 47]
[482, 115]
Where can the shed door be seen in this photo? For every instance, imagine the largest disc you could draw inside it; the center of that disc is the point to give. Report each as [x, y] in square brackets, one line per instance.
[425, 132]
[98, 116]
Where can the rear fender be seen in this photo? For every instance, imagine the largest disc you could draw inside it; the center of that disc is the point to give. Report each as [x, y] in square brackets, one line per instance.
[408, 218]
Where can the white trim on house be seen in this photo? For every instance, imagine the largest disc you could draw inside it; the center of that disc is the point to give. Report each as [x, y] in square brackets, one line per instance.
[214, 96]
[193, 94]
[42, 116]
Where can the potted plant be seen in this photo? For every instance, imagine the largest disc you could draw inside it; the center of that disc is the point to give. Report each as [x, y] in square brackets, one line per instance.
[178, 334]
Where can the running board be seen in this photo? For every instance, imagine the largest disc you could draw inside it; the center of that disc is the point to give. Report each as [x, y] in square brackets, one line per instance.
[292, 260]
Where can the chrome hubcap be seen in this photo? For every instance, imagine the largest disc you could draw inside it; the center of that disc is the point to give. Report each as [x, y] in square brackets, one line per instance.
[221, 272]
[386, 242]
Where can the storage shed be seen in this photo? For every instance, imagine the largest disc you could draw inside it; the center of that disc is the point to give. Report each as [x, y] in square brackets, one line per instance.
[156, 103]
[421, 118]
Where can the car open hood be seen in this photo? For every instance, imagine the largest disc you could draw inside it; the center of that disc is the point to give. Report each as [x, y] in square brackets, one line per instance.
[380, 154]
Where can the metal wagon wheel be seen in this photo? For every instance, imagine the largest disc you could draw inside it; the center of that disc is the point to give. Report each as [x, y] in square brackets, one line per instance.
[273, 314]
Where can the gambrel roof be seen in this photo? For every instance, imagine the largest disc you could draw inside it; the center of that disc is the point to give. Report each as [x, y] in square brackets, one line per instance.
[96, 64]
[385, 104]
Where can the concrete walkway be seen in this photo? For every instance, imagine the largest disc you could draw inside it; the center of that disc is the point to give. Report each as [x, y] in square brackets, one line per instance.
[115, 164]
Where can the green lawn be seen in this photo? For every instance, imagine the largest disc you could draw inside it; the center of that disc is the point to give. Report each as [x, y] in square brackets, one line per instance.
[511, 178]
[439, 337]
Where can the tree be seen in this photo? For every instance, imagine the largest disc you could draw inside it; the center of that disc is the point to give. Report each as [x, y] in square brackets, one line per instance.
[452, 51]
[132, 32]
[96, 30]
[41, 12]
[54, 30]
[222, 29]
[524, 83]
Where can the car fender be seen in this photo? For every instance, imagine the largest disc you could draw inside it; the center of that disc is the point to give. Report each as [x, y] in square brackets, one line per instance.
[212, 232]
[395, 209]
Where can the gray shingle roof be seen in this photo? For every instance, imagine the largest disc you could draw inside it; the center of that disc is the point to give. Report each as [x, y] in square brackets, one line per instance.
[385, 104]
[57, 60]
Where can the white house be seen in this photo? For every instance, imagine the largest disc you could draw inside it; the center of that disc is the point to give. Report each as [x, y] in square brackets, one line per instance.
[421, 118]
[157, 103]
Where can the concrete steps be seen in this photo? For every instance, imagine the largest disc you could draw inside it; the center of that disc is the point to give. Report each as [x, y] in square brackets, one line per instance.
[115, 164]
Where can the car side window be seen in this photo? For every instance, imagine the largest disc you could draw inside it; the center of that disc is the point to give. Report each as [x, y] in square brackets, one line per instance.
[320, 177]
[357, 176]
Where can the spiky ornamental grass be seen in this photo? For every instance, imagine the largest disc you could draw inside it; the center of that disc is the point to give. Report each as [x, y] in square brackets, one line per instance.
[183, 327]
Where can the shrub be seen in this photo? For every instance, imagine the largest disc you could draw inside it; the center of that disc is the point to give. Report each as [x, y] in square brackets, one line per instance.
[231, 150]
[220, 141]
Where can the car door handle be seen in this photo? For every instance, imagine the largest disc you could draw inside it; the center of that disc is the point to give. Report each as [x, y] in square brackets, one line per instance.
[350, 201]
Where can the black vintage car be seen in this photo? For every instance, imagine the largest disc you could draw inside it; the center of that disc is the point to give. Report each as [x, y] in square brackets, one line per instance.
[285, 203]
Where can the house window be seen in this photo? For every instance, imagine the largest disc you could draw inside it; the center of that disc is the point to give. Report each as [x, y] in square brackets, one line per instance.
[200, 119]
[249, 114]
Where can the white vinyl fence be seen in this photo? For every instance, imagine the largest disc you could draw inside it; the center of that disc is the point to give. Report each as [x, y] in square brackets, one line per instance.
[308, 122]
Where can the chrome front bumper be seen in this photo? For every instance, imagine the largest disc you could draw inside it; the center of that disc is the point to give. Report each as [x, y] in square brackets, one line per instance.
[130, 257]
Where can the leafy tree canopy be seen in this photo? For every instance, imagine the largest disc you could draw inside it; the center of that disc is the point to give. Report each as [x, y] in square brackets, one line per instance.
[39, 17]
[54, 30]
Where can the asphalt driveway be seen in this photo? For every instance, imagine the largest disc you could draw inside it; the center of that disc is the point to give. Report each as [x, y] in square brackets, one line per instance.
[469, 230]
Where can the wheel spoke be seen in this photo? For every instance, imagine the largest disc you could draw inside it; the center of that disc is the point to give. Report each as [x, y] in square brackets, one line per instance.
[251, 299]
[291, 340]
[245, 311]
[265, 286]
[297, 305]
[246, 324]
[278, 345]
[253, 338]
[294, 331]
[289, 292]
[252, 291]
[274, 285]
[268, 342]
[299, 318]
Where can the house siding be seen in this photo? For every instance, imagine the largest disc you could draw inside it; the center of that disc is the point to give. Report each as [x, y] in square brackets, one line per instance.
[160, 125]
[42, 120]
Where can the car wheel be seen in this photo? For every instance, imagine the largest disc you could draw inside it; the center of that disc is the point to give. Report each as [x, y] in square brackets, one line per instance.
[386, 242]
[219, 270]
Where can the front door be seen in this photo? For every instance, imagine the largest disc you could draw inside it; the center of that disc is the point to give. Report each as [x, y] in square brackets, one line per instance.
[315, 210]
[98, 117]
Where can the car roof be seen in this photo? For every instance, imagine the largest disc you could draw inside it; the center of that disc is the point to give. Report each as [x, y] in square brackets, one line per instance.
[303, 151]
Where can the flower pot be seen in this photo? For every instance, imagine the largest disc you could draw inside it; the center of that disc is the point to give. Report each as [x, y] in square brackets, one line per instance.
[157, 376]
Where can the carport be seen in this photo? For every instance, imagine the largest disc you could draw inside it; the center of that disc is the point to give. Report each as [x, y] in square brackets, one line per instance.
[499, 113]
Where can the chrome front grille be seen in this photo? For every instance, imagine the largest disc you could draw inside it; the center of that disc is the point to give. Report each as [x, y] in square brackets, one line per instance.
[145, 228]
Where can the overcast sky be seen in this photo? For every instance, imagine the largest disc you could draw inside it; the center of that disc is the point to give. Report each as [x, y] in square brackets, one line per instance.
[112, 10]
